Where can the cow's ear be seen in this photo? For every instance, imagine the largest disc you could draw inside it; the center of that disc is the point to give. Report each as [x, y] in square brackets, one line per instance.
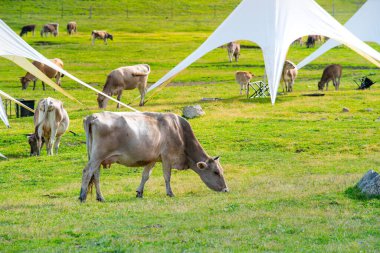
[216, 158]
[202, 165]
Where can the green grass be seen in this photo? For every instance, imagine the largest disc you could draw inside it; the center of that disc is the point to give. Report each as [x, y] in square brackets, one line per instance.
[291, 167]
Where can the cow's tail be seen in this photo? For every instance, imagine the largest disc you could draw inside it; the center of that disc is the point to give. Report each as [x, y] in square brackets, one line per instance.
[87, 129]
[141, 73]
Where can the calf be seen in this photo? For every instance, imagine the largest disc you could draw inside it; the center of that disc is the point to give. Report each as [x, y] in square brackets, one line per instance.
[102, 35]
[49, 72]
[142, 139]
[243, 78]
[49, 28]
[233, 49]
[71, 27]
[311, 40]
[26, 29]
[51, 122]
[289, 74]
[125, 78]
[332, 73]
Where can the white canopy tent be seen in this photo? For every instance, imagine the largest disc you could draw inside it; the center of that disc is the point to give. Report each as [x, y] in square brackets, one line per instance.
[365, 24]
[14, 48]
[274, 25]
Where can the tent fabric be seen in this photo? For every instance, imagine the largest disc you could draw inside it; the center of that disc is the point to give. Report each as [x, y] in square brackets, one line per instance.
[14, 48]
[364, 24]
[274, 25]
[3, 113]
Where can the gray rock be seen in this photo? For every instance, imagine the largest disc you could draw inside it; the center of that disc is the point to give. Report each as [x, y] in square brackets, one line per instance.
[370, 183]
[192, 111]
[345, 109]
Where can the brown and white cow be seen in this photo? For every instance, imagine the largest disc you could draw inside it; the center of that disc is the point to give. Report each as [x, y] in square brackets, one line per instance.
[142, 139]
[51, 122]
[49, 28]
[26, 29]
[101, 35]
[72, 27]
[289, 74]
[233, 50]
[332, 73]
[49, 72]
[125, 78]
[243, 78]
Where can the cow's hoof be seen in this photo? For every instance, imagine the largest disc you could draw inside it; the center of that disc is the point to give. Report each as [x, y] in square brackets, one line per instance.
[82, 200]
[100, 199]
[170, 194]
[139, 194]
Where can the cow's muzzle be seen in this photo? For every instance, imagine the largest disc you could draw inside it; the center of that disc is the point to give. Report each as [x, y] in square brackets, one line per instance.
[225, 190]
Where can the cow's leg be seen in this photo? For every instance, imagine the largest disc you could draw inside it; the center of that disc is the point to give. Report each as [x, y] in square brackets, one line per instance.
[167, 174]
[118, 98]
[56, 144]
[105, 41]
[241, 88]
[34, 84]
[230, 56]
[142, 94]
[145, 176]
[87, 177]
[93, 40]
[99, 196]
[43, 86]
[52, 139]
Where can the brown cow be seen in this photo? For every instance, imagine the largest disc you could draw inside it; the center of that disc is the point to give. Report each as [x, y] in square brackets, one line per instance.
[51, 122]
[49, 28]
[243, 78]
[72, 27]
[233, 50]
[49, 72]
[289, 74]
[102, 35]
[125, 78]
[26, 29]
[332, 73]
[142, 139]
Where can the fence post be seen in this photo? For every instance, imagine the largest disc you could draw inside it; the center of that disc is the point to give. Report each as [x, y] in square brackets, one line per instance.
[61, 9]
[214, 11]
[90, 12]
[333, 8]
[20, 10]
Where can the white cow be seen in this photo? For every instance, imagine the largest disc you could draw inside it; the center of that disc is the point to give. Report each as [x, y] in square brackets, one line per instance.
[51, 122]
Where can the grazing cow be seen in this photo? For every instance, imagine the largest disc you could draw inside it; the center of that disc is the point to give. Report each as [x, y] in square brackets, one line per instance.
[49, 72]
[71, 27]
[49, 28]
[311, 40]
[243, 78]
[102, 35]
[233, 49]
[289, 74]
[26, 29]
[332, 73]
[142, 139]
[51, 122]
[125, 78]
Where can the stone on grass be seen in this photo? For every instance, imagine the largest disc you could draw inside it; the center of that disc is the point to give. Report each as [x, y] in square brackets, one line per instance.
[370, 183]
[345, 109]
[192, 111]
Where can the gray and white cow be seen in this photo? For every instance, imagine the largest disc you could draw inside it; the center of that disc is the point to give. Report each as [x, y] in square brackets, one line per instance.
[51, 122]
[101, 35]
[142, 139]
[233, 50]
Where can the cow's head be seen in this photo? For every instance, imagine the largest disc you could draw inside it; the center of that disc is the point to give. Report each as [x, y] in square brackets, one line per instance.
[211, 173]
[35, 144]
[102, 101]
[321, 85]
[24, 82]
[109, 36]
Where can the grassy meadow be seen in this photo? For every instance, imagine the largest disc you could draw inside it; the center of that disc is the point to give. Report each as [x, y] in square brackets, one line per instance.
[291, 167]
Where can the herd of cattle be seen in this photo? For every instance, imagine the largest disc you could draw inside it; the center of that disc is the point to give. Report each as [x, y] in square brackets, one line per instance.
[137, 139]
